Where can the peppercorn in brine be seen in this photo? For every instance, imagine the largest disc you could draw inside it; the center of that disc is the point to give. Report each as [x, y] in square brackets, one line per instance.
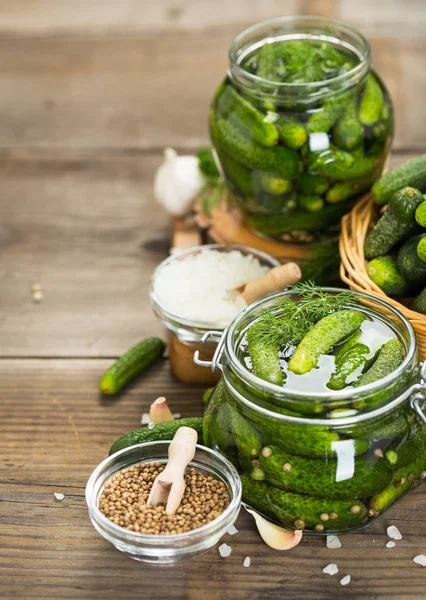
[124, 501]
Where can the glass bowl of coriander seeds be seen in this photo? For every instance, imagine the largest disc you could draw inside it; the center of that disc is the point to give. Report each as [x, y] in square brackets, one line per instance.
[117, 493]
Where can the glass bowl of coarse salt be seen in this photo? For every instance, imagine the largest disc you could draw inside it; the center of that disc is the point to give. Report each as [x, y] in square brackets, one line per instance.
[190, 294]
[160, 549]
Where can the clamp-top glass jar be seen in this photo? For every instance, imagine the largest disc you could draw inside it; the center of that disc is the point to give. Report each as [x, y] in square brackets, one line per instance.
[301, 124]
[322, 461]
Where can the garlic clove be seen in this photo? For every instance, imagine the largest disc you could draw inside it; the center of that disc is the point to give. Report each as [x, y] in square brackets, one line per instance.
[276, 537]
[177, 182]
[160, 412]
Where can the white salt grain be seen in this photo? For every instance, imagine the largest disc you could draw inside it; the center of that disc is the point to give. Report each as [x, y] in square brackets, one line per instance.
[345, 580]
[197, 287]
[232, 530]
[246, 562]
[176, 415]
[420, 559]
[151, 425]
[145, 420]
[59, 496]
[394, 533]
[225, 550]
[330, 569]
[390, 545]
[333, 542]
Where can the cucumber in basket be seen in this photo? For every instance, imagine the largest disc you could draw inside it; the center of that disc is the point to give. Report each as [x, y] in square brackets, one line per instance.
[412, 173]
[132, 363]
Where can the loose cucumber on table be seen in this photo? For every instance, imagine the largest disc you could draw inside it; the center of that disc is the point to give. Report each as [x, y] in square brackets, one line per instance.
[297, 510]
[322, 337]
[132, 363]
[162, 431]
[319, 478]
[397, 221]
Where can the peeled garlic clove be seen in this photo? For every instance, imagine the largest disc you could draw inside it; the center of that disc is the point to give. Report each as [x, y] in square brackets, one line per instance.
[276, 537]
[159, 411]
[177, 182]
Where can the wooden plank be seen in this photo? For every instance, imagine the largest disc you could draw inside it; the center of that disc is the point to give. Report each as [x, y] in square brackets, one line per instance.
[152, 91]
[48, 16]
[55, 429]
[88, 231]
[385, 17]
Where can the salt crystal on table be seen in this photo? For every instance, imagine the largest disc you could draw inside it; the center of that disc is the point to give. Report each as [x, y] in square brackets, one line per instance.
[333, 542]
[394, 533]
[225, 550]
[330, 569]
[390, 545]
[176, 415]
[246, 562]
[232, 530]
[345, 580]
[145, 420]
[59, 496]
[420, 559]
[151, 425]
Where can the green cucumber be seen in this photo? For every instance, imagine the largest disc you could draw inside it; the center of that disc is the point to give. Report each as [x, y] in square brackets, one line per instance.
[383, 271]
[421, 214]
[389, 358]
[246, 436]
[239, 178]
[299, 511]
[207, 394]
[207, 164]
[411, 267]
[244, 115]
[348, 344]
[359, 168]
[292, 132]
[352, 360]
[275, 185]
[277, 159]
[411, 173]
[162, 431]
[402, 480]
[322, 160]
[419, 303]
[300, 220]
[131, 364]
[397, 221]
[322, 337]
[265, 358]
[320, 478]
[402, 454]
[313, 184]
[219, 436]
[421, 249]
[342, 190]
[267, 63]
[323, 119]
[371, 106]
[311, 203]
[348, 133]
[391, 427]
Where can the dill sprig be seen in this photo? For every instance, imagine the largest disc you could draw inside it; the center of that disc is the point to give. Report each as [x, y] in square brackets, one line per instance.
[293, 319]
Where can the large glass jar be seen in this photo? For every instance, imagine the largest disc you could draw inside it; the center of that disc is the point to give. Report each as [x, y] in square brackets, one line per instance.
[323, 462]
[299, 137]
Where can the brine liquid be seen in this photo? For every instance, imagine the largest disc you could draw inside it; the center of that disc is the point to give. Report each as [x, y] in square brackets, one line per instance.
[374, 334]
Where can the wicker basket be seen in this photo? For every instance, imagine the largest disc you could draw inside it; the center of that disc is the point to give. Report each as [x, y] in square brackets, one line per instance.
[352, 268]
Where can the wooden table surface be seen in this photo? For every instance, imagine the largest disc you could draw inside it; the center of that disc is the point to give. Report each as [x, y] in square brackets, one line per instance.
[91, 92]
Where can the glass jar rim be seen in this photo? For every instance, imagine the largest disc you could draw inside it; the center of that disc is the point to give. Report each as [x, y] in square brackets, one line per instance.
[356, 73]
[150, 539]
[203, 326]
[345, 394]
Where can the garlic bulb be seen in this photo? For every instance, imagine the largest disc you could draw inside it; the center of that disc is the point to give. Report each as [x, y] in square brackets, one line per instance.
[177, 182]
[275, 537]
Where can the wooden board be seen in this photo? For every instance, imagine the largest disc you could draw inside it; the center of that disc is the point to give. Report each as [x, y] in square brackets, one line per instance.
[55, 430]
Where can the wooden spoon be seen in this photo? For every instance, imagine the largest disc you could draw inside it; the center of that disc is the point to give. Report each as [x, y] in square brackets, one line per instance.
[277, 279]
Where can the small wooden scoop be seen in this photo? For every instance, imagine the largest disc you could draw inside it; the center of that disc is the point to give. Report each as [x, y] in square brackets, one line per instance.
[275, 280]
[169, 486]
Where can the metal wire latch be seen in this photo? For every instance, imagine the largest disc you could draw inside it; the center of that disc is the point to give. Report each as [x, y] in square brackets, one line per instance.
[215, 363]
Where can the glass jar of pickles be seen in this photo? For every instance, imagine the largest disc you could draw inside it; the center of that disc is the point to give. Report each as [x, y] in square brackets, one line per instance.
[320, 407]
[301, 125]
